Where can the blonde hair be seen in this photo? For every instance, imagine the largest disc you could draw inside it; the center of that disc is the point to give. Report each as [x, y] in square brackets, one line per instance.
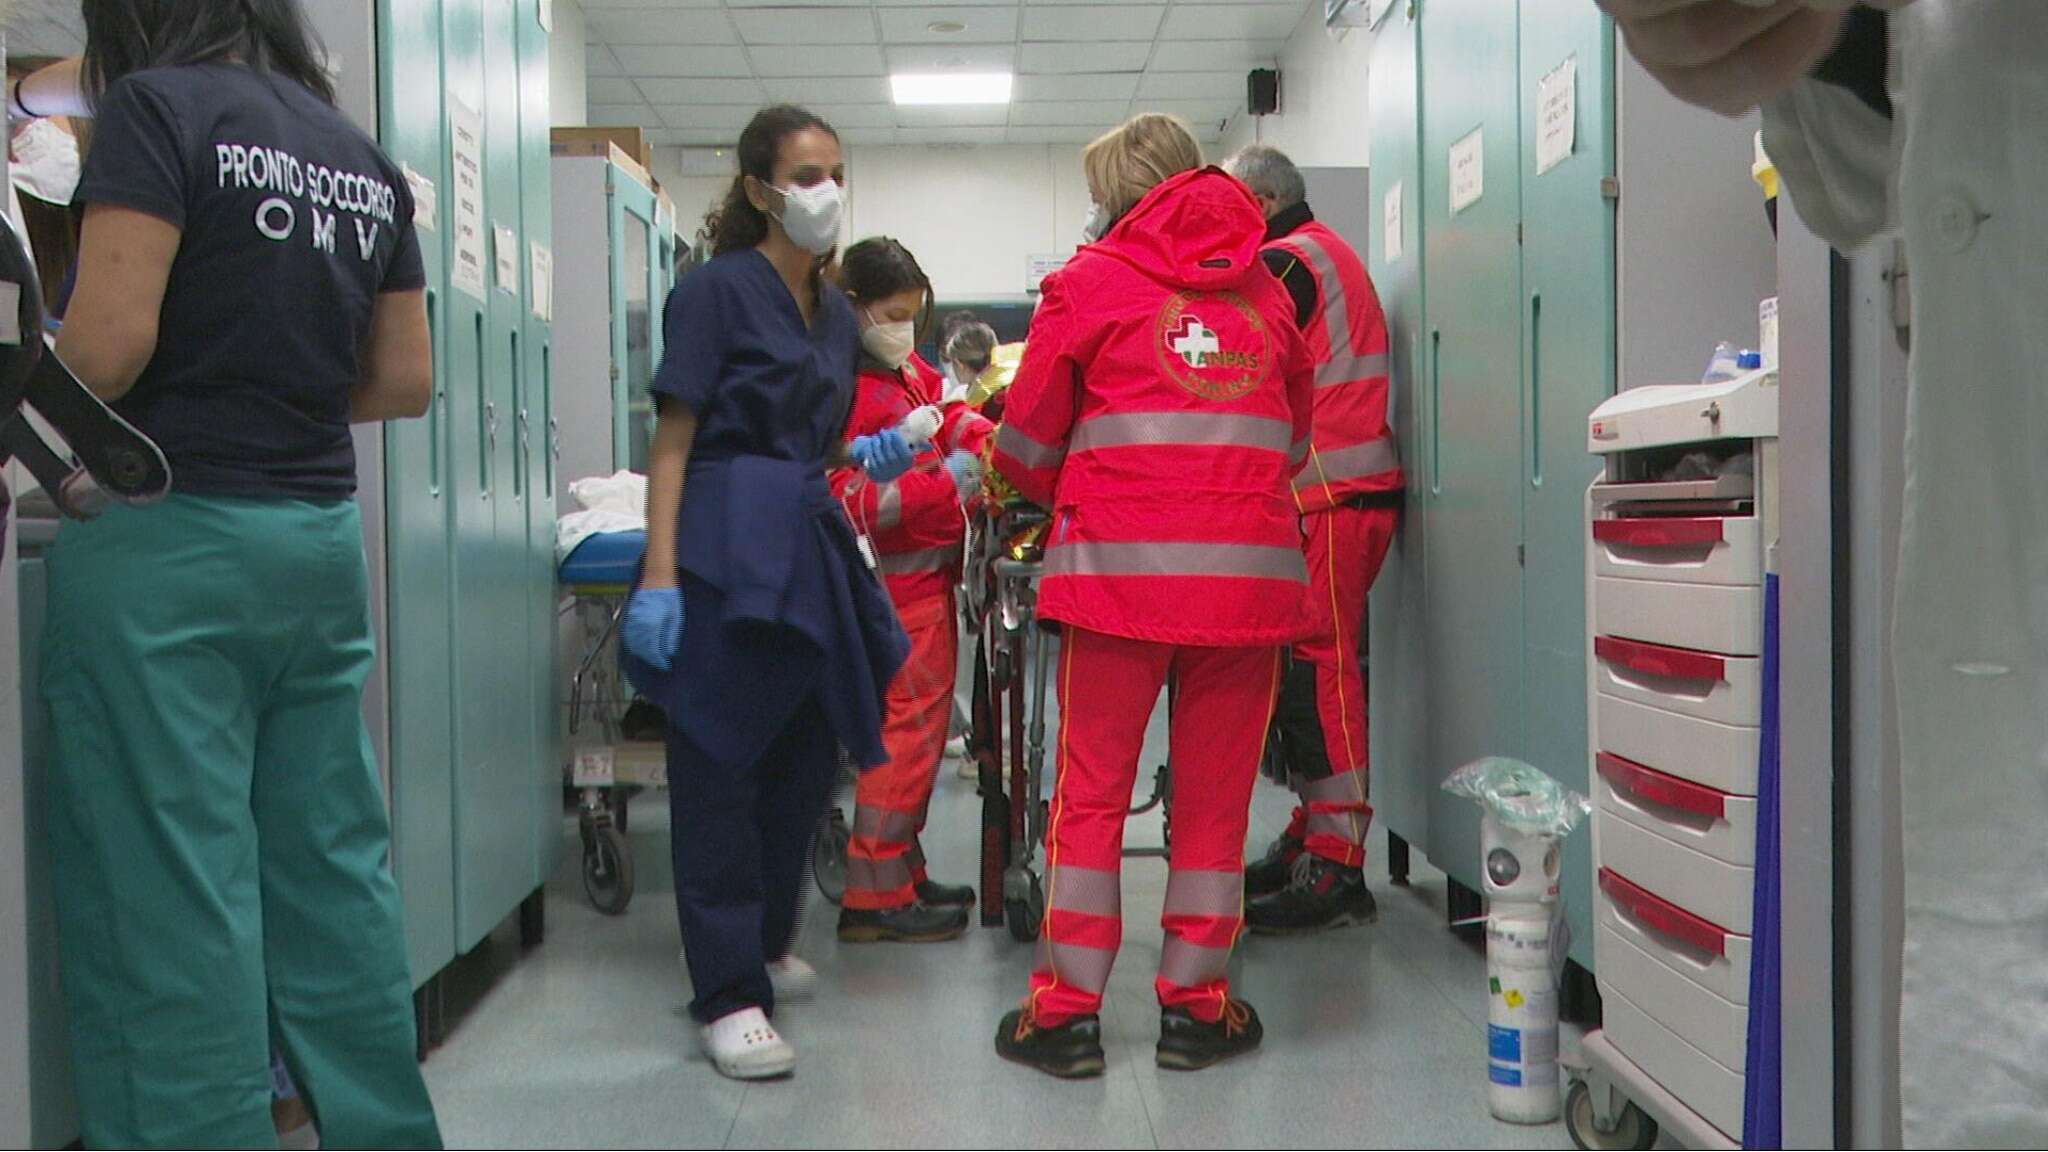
[1129, 161]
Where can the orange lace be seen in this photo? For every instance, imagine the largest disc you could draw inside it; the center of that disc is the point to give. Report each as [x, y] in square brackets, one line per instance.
[1237, 1016]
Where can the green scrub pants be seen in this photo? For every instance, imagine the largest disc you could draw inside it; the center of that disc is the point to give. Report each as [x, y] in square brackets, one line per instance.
[219, 837]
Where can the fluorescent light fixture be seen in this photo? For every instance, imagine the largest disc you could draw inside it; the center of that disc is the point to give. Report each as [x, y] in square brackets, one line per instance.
[951, 87]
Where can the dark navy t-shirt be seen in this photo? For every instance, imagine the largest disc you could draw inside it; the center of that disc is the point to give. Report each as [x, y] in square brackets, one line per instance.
[293, 222]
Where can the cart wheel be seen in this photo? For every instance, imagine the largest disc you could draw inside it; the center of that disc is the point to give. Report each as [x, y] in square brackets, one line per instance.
[608, 871]
[1632, 1129]
[1025, 917]
[828, 856]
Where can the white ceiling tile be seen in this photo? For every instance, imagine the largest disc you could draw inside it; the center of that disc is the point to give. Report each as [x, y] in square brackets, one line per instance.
[608, 5]
[1068, 113]
[1101, 22]
[731, 117]
[699, 137]
[660, 26]
[623, 114]
[708, 90]
[1031, 134]
[806, 25]
[955, 116]
[680, 60]
[1213, 56]
[786, 3]
[844, 116]
[947, 4]
[1234, 22]
[952, 57]
[831, 90]
[841, 60]
[598, 61]
[980, 25]
[1078, 86]
[946, 136]
[1178, 85]
[1058, 58]
[610, 90]
[1198, 112]
[870, 136]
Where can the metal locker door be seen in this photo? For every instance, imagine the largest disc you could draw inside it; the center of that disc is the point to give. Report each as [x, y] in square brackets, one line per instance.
[418, 499]
[1569, 368]
[1473, 370]
[636, 319]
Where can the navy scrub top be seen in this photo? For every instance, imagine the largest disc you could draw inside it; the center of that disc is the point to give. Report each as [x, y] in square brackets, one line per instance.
[778, 601]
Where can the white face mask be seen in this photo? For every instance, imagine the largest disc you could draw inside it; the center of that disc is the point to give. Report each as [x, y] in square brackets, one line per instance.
[46, 162]
[892, 344]
[811, 215]
[1096, 225]
[956, 385]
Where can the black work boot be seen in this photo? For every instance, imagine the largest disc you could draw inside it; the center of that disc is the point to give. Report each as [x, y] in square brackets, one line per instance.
[1072, 1051]
[936, 895]
[910, 924]
[1271, 872]
[1320, 894]
[1187, 1044]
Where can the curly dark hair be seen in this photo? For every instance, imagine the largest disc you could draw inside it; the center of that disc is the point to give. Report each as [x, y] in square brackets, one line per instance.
[735, 223]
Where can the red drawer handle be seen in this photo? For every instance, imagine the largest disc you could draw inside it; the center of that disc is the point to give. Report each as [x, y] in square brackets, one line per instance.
[1658, 660]
[1663, 915]
[1652, 532]
[1662, 787]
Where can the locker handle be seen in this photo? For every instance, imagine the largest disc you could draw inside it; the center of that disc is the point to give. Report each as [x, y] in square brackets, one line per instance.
[551, 449]
[1436, 411]
[1654, 532]
[1536, 390]
[518, 419]
[486, 414]
[1661, 915]
[1658, 660]
[438, 398]
[1662, 787]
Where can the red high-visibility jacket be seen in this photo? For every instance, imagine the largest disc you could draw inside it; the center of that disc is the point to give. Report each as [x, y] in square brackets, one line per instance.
[1353, 452]
[915, 522]
[1161, 412]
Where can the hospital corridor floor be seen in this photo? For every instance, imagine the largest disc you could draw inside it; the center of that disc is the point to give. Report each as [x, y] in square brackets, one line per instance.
[1375, 1036]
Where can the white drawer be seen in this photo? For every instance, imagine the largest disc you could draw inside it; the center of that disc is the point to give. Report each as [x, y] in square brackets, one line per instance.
[1716, 891]
[1704, 819]
[1721, 756]
[1711, 1089]
[1715, 960]
[1704, 617]
[1728, 689]
[1700, 1018]
[1687, 550]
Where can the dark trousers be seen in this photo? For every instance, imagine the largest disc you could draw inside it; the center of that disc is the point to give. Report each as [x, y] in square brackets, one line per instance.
[741, 840]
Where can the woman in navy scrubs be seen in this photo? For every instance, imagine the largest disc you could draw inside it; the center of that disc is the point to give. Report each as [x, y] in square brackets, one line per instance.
[759, 627]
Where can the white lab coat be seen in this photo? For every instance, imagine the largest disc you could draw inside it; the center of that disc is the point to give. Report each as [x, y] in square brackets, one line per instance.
[1963, 171]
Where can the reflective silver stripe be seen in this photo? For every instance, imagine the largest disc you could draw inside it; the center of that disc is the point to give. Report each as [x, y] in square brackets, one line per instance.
[1343, 826]
[1076, 964]
[865, 875]
[880, 824]
[1251, 561]
[1193, 893]
[1186, 965]
[1025, 450]
[888, 507]
[1343, 788]
[928, 560]
[1343, 369]
[1354, 463]
[1182, 429]
[1092, 891]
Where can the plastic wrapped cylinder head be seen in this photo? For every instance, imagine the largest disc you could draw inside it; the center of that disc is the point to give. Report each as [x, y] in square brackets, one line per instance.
[1521, 796]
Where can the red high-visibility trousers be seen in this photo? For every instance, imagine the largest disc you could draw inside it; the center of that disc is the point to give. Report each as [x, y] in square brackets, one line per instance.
[1222, 704]
[1346, 546]
[884, 862]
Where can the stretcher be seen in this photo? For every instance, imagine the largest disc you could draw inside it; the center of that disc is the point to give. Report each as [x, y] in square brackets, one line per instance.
[1007, 733]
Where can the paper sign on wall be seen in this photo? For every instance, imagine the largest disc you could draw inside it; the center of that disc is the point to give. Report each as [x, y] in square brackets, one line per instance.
[1557, 115]
[506, 247]
[1037, 268]
[466, 146]
[426, 200]
[1393, 225]
[1468, 171]
[542, 275]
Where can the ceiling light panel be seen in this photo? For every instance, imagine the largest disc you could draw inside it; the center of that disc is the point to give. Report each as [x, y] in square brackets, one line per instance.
[950, 89]
[831, 90]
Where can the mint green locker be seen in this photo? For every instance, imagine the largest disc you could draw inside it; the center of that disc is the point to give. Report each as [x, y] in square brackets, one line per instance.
[536, 438]
[1568, 333]
[1398, 704]
[639, 291]
[1471, 467]
[419, 495]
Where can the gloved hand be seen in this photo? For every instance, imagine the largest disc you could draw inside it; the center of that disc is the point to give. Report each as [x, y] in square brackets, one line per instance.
[653, 627]
[966, 470]
[883, 455]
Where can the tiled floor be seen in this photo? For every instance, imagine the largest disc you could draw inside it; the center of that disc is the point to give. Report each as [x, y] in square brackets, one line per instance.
[1374, 1036]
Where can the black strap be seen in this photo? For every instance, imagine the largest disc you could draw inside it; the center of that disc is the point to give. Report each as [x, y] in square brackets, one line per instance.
[1861, 61]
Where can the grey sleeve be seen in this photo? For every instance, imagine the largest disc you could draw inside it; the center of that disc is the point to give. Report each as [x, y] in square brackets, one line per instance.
[1838, 160]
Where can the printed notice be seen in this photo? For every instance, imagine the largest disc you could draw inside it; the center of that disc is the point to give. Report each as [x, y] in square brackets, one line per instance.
[542, 274]
[1393, 224]
[1468, 171]
[426, 200]
[506, 245]
[1557, 115]
[466, 147]
[1037, 268]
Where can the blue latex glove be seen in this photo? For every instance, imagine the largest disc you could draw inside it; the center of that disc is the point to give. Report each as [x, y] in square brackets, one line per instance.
[883, 455]
[653, 627]
[966, 470]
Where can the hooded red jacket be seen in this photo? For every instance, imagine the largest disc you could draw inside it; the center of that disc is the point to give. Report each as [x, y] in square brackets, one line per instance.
[914, 522]
[1161, 412]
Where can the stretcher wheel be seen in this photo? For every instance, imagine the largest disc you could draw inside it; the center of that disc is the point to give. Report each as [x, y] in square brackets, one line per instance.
[1632, 1129]
[828, 856]
[1026, 915]
[608, 870]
